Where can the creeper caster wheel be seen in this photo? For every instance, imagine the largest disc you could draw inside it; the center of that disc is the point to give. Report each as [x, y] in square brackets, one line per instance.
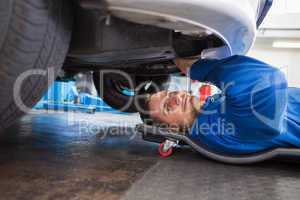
[164, 153]
[165, 149]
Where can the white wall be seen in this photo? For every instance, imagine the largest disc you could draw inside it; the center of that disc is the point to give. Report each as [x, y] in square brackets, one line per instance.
[286, 59]
[281, 24]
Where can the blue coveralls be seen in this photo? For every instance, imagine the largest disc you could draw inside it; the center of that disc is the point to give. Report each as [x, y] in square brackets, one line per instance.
[255, 112]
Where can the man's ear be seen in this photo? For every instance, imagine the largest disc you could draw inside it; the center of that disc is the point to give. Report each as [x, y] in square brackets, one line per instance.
[175, 129]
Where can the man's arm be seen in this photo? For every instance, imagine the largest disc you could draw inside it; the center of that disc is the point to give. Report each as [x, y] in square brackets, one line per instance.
[184, 64]
[239, 77]
[252, 88]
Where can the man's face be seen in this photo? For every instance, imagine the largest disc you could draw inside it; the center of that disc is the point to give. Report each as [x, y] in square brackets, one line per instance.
[173, 108]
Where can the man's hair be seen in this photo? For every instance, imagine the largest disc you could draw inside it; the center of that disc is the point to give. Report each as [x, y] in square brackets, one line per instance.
[144, 110]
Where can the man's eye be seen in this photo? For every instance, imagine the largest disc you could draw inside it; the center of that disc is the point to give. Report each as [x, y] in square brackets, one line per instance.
[168, 109]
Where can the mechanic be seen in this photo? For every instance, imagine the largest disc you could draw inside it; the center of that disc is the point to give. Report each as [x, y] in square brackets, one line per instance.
[256, 110]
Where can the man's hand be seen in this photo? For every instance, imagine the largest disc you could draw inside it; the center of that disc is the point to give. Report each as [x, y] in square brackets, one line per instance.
[184, 64]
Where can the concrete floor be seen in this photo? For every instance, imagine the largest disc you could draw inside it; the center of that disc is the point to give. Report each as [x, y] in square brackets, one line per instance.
[66, 156]
[84, 156]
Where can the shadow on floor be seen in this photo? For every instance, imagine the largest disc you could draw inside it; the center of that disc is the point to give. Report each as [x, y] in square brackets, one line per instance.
[47, 156]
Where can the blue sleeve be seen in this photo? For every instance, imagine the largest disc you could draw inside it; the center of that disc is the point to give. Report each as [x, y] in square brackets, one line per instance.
[252, 88]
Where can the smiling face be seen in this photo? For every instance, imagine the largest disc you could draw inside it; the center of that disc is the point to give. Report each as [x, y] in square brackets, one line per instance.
[178, 109]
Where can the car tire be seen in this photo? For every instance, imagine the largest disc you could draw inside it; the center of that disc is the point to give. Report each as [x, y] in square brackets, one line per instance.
[34, 40]
[113, 85]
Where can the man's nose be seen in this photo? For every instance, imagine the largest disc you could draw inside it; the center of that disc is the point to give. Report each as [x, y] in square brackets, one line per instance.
[174, 101]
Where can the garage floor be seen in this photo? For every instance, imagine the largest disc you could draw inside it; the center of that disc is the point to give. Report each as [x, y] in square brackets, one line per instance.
[84, 156]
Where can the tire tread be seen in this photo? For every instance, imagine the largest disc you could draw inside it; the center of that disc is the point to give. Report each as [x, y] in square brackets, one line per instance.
[35, 40]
